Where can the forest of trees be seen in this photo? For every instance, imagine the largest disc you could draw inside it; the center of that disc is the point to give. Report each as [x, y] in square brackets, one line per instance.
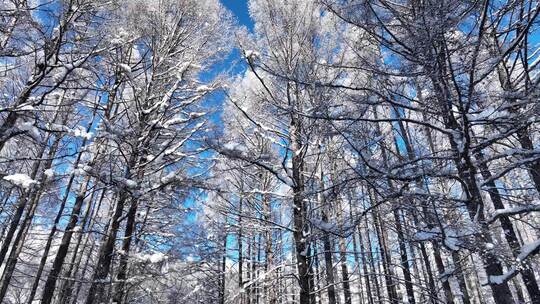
[333, 151]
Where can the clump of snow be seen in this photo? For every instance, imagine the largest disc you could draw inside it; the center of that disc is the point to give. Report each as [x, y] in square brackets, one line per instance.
[124, 67]
[128, 183]
[203, 88]
[117, 41]
[21, 180]
[26, 108]
[168, 178]
[527, 250]
[29, 127]
[500, 279]
[235, 148]
[251, 54]
[81, 132]
[49, 172]
[153, 258]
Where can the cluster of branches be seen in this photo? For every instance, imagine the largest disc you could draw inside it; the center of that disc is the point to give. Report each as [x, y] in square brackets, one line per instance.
[102, 110]
[382, 151]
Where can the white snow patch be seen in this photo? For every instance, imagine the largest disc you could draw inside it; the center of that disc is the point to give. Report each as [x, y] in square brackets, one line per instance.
[251, 54]
[25, 108]
[29, 127]
[527, 250]
[21, 180]
[153, 258]
[124, 67]
[81, 132]
[49, 173]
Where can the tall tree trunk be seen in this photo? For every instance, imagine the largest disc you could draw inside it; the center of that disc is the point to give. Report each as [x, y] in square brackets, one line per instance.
[24, 197]
[386, 260]
[98, 286]
[121, 276]
[460, 276]
[317, 271]
[404, 257]
[299, 214]
[105, 256]
[343, 255]
[374, 272]
[17, 247]
[54, 228]
[50, 283]
[27, 222]
[269, 288]
[249, 267]
[444, 278]
[77, 256]
[508, 231]
[240, 241]
[223, 270]
[357, 257]
[329, 264]
[467, 172]
[367, 275]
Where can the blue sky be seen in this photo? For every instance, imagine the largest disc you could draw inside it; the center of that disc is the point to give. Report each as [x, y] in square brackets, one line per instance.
[240, 9]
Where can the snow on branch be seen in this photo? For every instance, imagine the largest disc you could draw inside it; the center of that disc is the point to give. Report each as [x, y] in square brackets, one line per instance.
[526, 251]
[513, 211]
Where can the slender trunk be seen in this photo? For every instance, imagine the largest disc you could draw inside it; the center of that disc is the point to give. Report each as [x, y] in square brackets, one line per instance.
[431, 281]
[313, 295]
[126, 246]
[299, 215]
[253, 258]
[258, 272]
[509, 233]
[343, 257]
[240, 252]
[329, 264]
[460, 142]
[53, 231]
[327, 245]
[24, 198]
[357, 258]
[223, 271]
[27, 222]
[7, 128]
[249, 273]
[374, 272]
[404, 257]
[50, 283]
[17, 246]
[317, 269]
[98, 285]
[269, 290]
[365, 265]
[386, 261]
[443, 275]
[5, 199]
[534, 167]
[460, 276]
[77, 256]
[75, 297]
